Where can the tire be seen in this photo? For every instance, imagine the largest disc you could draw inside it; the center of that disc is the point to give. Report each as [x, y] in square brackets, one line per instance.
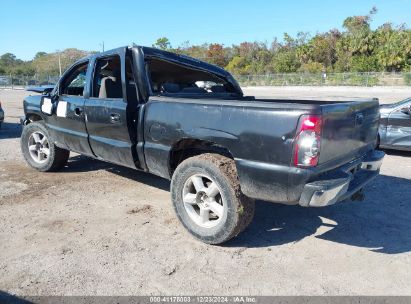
[214, 209]
[43, 155]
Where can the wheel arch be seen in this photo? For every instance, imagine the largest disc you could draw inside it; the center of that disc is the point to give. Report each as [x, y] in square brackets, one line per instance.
[185, 148]
[31, 117]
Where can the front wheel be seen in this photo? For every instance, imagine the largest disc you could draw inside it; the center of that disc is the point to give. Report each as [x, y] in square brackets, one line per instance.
[208, 200]
[38, 149]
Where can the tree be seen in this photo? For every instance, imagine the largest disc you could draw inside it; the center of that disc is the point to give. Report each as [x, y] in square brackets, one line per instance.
[357, 48]
[216, 55]
[39, 54]
[285, 62]
[311, 67]
[364, 63]
[238, 66]
[394, 49]
[261, 63]
[48, 64]
[322, 48]
[8, 60]
[355, 24]
[162, 43]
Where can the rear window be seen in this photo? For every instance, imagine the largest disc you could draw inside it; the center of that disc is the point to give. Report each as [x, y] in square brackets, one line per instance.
[171, 78]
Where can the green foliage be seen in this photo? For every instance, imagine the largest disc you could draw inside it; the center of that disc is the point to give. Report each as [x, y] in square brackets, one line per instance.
[8, 59]
[311, 67]
[357, 24]
[364, 63]
[394, 50]
[239, 66]
[162, 43]
[39, 55]
[321, 48]
[215, 55]
[285, 62]
[356, 49]
[9, 64]
[49, 63]
[42, 64]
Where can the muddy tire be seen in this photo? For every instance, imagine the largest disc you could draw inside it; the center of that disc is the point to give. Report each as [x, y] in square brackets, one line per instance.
[207, 198]
[38, 149]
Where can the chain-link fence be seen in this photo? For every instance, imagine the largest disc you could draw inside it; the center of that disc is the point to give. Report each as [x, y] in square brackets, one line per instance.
[327, 79]
[289, 79]
[22, 81]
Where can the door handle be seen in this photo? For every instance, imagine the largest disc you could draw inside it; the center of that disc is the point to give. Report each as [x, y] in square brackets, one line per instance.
[115, 118]
[78, 111]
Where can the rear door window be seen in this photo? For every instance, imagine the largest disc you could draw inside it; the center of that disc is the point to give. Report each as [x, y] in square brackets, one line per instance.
[171, 78]
[107, 78]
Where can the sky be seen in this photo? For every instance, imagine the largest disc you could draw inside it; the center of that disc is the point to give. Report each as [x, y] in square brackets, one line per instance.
[27, 26]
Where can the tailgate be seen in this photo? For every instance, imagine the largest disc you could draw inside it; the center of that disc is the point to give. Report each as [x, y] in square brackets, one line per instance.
[349, 129]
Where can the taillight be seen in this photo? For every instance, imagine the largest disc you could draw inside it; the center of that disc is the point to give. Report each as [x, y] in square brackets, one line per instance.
[307, 141]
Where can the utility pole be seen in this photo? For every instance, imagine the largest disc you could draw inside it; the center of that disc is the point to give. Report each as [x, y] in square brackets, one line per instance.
[102, 45]
[60, 62]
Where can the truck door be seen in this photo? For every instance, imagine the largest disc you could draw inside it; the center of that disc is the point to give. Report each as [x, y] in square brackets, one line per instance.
[67, 123]
[107, 115]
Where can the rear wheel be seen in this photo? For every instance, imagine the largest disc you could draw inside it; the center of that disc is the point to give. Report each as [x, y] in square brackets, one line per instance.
[208, 200]
[38, 149]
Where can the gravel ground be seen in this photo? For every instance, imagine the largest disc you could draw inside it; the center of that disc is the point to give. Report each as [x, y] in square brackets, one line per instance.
[100, 229]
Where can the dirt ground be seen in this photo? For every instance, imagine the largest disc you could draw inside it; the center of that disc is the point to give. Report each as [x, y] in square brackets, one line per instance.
[100, 229]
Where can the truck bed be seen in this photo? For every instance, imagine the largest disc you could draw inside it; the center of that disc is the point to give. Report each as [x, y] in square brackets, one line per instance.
[260, 133]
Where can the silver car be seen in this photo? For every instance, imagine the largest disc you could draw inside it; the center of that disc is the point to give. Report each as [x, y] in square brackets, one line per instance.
[395, 126]
[1, 115]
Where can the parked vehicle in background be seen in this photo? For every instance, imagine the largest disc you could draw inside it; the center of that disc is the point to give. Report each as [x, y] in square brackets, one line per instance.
[188, 121]
[4, 80]
[1, 115]
[395, 126]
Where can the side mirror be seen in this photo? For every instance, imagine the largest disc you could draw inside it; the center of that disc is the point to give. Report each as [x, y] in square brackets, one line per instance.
[46, 104]
[406, 110]
[49, 99]
[47, 91]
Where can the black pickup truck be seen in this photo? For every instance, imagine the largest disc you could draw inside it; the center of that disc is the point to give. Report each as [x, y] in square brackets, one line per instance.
[188, 121]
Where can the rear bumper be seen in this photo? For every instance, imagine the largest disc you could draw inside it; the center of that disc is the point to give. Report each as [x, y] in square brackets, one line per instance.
[342, 184]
